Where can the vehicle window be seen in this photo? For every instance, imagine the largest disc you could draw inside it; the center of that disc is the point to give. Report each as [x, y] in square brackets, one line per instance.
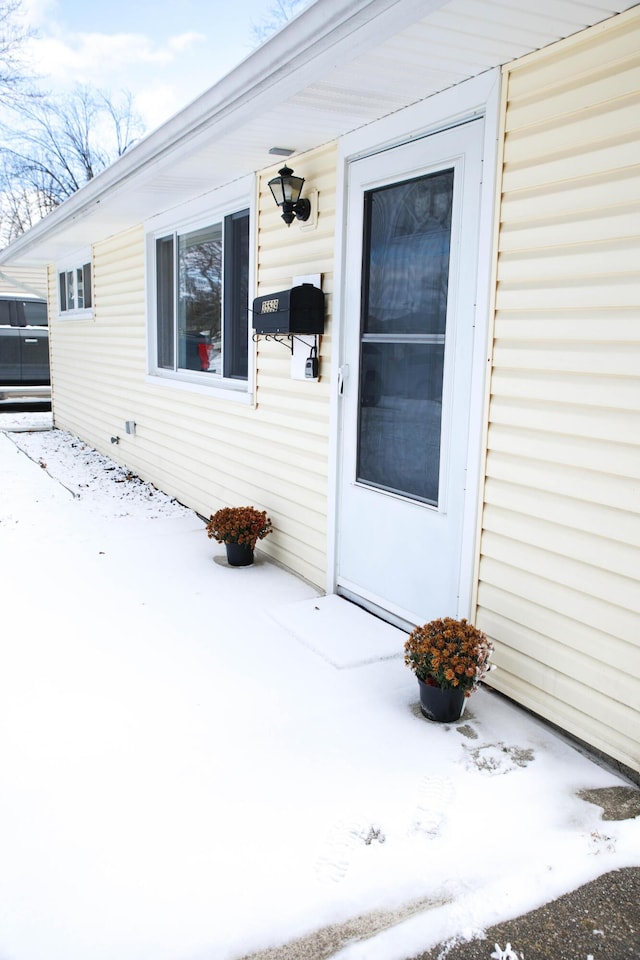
[35, 313]
[5, 313]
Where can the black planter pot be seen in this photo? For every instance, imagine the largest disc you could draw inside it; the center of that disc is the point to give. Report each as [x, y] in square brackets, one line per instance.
[239, 554]
[444, 706]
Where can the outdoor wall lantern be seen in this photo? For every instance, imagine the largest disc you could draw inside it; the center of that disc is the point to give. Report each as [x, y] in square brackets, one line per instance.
[286, 191]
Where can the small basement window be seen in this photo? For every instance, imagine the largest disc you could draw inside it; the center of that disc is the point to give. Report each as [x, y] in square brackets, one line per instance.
[74, 289]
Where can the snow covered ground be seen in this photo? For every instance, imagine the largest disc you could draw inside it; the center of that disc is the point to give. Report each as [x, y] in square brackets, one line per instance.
[188, 774]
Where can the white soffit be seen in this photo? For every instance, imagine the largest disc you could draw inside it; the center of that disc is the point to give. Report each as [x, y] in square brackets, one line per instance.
[338, 66]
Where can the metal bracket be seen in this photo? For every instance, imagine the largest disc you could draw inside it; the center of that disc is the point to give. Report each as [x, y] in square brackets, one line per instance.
[285, 339]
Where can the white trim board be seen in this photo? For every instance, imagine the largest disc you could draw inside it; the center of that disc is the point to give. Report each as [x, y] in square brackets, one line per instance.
[478, 97]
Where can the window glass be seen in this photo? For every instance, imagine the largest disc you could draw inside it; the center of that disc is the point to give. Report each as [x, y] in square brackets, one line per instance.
[236, 279]
[35, 313]
[407, 230]
[5, 313]
[400, 413]
[407, 270]
[70, 291]
[86, 273]
[165, 302]
[202, 299]
[74, 288]
[79, 289]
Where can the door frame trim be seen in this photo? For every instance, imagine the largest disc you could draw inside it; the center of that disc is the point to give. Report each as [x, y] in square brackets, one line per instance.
[475, 98]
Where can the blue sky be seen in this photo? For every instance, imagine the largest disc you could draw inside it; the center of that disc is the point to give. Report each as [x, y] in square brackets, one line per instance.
[166, 53]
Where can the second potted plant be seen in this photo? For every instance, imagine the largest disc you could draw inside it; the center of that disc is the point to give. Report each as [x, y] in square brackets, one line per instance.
[450, 658]
[239, 528]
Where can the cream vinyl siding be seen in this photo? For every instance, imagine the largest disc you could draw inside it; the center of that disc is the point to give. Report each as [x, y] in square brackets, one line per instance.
[293, 415]
[23, 281]
[98, 361]
[559, 567]
[205, 451]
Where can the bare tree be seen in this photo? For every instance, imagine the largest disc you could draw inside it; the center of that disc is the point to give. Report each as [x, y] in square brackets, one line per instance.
[52, 147]
[278, 14]
[15, 78]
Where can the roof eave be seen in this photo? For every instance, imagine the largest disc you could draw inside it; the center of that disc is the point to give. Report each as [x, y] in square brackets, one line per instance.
[289, 59]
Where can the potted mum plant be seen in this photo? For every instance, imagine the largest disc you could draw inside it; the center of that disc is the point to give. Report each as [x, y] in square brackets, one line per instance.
[239, 528]
[449, 658]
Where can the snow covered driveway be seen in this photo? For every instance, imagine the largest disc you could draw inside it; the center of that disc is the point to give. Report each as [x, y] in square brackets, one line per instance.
[185, 775]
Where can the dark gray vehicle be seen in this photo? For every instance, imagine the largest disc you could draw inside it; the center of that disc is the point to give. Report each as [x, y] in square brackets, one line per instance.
[24, 349]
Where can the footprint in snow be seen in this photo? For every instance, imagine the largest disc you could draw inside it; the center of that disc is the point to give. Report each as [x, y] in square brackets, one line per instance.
[434, 796]
[341, 843]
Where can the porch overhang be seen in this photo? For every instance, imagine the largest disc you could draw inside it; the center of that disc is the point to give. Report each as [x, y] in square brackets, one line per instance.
[332, 70]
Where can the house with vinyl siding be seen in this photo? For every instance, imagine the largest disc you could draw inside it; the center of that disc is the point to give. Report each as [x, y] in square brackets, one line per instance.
[470, 445]
[16, 281]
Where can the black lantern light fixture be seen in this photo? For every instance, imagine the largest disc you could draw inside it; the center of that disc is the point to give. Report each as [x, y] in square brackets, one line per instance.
[286, 191]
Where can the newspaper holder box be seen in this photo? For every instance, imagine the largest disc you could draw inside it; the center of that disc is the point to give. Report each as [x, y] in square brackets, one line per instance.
[298, 310]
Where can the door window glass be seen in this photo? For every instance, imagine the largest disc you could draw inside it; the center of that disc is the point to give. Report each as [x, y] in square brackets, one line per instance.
[407, 233]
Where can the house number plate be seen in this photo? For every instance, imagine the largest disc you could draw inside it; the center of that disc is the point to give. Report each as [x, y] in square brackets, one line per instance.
[269, 306]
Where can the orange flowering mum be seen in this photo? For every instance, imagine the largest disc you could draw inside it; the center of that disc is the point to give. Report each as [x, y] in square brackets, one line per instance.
[239, 525]
[449, 653]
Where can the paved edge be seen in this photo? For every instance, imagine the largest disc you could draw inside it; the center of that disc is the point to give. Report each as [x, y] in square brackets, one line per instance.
[600, 920]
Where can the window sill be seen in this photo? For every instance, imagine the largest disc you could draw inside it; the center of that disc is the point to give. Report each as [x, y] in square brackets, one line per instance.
[75, 315]
[221, 390]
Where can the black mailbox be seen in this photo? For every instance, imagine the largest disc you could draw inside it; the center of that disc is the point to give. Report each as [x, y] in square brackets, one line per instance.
[299, 310]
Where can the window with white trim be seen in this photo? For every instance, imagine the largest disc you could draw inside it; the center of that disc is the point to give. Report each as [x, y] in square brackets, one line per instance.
[202, 300]
[74, 289]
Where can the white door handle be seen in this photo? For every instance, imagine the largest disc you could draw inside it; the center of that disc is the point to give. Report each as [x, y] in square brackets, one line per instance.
[343, 373]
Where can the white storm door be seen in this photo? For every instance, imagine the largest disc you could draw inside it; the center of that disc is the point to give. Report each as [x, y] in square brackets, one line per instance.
[411, 264]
